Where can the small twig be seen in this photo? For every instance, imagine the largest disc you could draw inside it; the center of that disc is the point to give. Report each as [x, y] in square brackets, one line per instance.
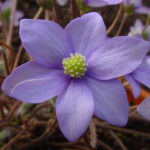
[2, 43]
[47, 104]
[93, 135]
[17, 57]
[3, 26]
[101, 143]
[132, 113]
[74, 8]
[13, 110]
[2, 112]
[46, 14]
[6, 105]
[116, 19]
[120, 143]
[58, 144]
[55, 11]
[50, 127]
[11, 25]
[5, 61]
[7, 124]
[41, 123]
[39, 12]
[4, 30]
[81, 147]
[134, 107]
[13, 140]
[122, 24]
[11, 51]
[128, 131]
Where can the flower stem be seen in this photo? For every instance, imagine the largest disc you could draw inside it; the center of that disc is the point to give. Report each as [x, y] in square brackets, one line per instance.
[46, 14]
[118, 140]
[9, 38]
[74, 8]
[55, 11]
[116, 19]
[104, 145]
[13, 140]
[5, 60]
[122, 24]
[13, 110]
[124, 130]
[11, 51]
[37, 15]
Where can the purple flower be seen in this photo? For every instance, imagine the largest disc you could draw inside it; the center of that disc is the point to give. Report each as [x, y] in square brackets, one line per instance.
[144, 108]
[100, 3]
[137, 6]
[94, 3]
[137, 29]
[136, 3]
[61, 2]
[143, 10]
[140, 31]
[140, 75]
[79, 65]
[6, 9]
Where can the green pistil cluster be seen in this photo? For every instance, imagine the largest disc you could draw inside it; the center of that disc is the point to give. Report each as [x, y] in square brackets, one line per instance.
[75, 65]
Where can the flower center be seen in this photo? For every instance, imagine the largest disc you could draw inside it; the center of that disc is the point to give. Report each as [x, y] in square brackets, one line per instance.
[75, 65]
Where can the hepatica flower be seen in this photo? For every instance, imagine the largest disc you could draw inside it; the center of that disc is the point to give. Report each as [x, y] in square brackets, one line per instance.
[140, 75]
[144, 108]
[136, 6]
[100, 3]
[79, 65]
[61, 2]
[94, 3]
[139, 30]
[5, 11]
